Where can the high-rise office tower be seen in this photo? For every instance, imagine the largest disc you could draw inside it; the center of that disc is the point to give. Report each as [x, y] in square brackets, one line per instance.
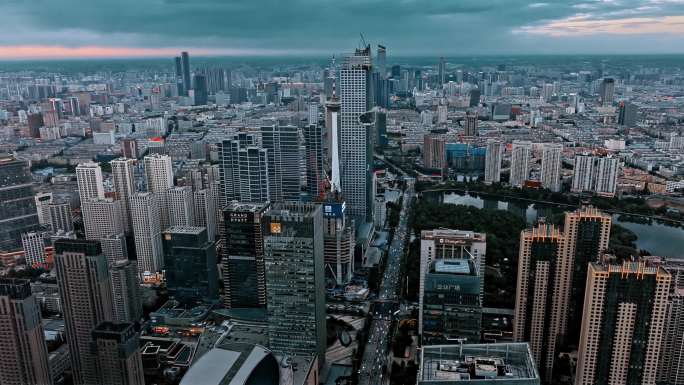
[607, 91]
[338, 242]
[60, 217]
[244, 276]
[199, 90]
[382, 61]
[313, 114]
[547, 92]
[89, 178]
[33, 244]
[181, 206]
[441, 71]
[126, 291]
[433, 151]
[332, 127]
[43, 200]
[244, 170]
[147, 232]
[315, 172]
[117, 350]
[627, 114]
[123, 176]
[185, 67]
[205, 211]
[17, 203]
[356, 153]
[159, 179]
[190, 264]
[295, 288]
[587, 232]
[622, 325]
[520, 158]
[551, 166]
[282, 145]
[229, 168]
[474, 97]
[254, 175]
[86, 294]
[493, 159]
[449, 244]
[216, 79]
[23, 356]
[539, 309]
[470, 127]
[451, 306]
[180, 87]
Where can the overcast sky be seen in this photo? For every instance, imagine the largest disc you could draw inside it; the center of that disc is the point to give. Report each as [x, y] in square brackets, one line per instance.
[52, 28]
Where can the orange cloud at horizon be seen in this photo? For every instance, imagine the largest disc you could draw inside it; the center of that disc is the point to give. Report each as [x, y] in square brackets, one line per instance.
[583, 26]
[62, 52]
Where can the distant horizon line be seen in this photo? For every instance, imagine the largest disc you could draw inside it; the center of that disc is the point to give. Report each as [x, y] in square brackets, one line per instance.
[303, 55]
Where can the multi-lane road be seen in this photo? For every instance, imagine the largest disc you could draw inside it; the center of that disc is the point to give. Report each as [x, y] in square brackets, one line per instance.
[377, 354]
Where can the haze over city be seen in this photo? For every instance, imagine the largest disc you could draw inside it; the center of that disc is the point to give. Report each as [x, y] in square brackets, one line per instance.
[360, 192]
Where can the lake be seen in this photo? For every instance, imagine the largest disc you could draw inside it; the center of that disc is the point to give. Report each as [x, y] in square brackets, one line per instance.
[659, 239]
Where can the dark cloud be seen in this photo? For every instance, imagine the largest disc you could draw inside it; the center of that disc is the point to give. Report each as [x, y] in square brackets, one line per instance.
[407, 26]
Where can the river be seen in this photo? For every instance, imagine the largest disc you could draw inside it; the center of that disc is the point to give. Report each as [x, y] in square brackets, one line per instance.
[659, 239]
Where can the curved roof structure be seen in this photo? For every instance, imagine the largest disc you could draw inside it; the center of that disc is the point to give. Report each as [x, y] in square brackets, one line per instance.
[237, 364]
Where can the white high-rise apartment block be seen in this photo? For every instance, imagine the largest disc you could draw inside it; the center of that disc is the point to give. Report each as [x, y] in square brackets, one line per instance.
[102, 218]
[442, 114]
[551, 166]
[493, 161]
[583, 173]
[205, 211]
[43, 200]
[89, 178]
[34, 247]
[181, 207]
[60, 217]
[595, 174]
[145, 215]
[354, 141]
[676, 142]
[606, 176]
[124, 185]
[520, 159]
[159, 178]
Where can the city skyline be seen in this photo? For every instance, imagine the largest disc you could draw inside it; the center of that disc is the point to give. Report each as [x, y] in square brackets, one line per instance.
[141, 28]
[360, 219]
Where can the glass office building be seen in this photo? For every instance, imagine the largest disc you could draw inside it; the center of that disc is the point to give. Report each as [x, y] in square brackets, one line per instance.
[18, 213]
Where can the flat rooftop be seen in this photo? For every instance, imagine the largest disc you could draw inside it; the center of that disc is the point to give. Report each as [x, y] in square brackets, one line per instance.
[185, 230]
[454, 235]
[509, 363]
[454, 266]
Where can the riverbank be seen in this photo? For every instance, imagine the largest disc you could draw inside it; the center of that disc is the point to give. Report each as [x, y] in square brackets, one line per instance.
[634, 207]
